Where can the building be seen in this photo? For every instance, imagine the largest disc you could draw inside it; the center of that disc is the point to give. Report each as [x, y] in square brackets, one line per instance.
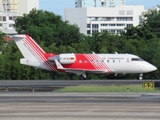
[106, 17]
[19, 6]
[25, 6]
[7, 22]
[11, 9]
[9, 5]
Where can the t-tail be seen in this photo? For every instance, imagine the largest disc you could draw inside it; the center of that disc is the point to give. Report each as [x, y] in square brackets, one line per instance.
[33, 54]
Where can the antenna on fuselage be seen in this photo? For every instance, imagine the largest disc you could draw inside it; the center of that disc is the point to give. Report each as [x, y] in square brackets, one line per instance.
[93, 52]
[116, 52]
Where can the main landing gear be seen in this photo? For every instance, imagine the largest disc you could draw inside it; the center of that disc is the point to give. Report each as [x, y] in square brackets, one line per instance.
[82, 77]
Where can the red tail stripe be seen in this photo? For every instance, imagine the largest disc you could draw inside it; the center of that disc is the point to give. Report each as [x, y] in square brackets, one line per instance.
[35, 44]
[39, 53]
[35, 53]
[41, 57]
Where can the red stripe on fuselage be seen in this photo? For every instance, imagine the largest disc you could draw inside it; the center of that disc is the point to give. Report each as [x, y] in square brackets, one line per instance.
[98, 63]
[89, 62]
[81, 63]
[95, 61]
[102, 63]
[86, 63]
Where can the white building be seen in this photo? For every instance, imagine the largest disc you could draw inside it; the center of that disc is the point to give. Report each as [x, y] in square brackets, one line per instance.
[19, 6]
[25, 6]
[99, 19]
[11, 9]
[7, 22]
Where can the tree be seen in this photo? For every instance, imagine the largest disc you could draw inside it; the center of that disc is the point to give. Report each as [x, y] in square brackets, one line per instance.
[2, 43]
[146, 39]
[148, 29]
[46, 27]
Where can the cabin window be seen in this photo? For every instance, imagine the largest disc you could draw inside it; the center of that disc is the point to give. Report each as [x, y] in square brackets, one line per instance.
[107, 61]
[113, 61]
[80, 61]
[135, 59]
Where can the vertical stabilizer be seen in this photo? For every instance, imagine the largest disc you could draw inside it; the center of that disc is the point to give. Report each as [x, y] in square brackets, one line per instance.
[27, 46]
[33, 54]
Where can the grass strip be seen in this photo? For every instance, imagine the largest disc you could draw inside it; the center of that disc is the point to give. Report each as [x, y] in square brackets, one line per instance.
[104, 88]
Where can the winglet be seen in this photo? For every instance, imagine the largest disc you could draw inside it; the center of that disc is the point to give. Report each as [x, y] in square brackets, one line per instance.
[116, 52]
[93, 52]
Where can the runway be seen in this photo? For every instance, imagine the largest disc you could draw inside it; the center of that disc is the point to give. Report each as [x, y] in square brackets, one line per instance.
[50, 85]
[47, 83]
[79, 106]
[29, 105]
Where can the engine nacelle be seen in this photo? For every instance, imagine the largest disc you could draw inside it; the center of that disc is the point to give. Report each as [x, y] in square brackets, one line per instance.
[64, 58]
[67, 58]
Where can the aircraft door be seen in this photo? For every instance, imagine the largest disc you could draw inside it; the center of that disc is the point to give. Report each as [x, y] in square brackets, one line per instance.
[127, 62]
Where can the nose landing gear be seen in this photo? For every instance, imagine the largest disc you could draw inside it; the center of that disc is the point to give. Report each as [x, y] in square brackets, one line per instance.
[140, 76]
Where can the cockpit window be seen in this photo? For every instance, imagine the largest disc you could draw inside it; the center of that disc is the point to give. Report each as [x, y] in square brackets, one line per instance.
[137, 59]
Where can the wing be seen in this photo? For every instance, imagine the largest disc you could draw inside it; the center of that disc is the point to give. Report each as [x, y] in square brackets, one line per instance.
[77, 70]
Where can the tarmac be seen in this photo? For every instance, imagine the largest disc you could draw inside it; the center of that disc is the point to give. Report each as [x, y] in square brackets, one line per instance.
[79, 106]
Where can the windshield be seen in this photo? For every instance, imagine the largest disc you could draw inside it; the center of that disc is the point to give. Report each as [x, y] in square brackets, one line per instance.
[137, 59]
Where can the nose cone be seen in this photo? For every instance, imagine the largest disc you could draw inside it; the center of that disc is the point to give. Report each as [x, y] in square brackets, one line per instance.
[153, 68]
[149, 68]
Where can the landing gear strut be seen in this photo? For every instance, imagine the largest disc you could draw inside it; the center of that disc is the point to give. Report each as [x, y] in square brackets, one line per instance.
[140, 76]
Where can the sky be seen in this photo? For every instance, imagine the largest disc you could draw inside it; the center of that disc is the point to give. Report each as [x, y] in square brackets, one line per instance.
[58, 6]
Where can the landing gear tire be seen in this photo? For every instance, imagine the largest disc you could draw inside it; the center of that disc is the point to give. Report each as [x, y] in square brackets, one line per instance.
[81, 77]
[140, 76]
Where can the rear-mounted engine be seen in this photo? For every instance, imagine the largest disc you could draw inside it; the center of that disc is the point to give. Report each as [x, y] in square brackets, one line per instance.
[64, 58]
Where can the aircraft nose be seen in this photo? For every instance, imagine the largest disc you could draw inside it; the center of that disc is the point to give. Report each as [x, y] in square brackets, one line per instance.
[151, 68]
[148, 67]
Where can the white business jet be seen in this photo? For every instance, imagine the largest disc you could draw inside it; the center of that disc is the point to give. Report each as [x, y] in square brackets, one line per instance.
[80, 64]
